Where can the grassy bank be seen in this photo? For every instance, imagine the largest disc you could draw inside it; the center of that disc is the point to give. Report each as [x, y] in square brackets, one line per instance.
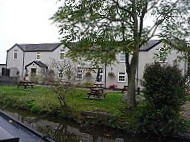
[43, 99]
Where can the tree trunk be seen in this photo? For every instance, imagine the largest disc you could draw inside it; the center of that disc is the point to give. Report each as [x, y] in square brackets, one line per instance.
[130, 97]
[131, 100]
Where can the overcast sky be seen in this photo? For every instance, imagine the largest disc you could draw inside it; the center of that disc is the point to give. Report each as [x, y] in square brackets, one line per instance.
[26, 21]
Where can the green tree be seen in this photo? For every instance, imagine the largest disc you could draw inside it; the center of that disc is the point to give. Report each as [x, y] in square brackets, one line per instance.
[160, 113]
[112, 26]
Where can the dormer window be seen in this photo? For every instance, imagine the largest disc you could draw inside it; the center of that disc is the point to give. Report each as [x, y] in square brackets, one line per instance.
[15, 54]
[62, 54]
[38, 56]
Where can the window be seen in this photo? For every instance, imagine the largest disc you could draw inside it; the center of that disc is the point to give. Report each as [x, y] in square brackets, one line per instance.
[15, 54]
[79, 73]
[38, 56]
[121, 77]
[61, 73]
[163, 55]
[61, 54]
[122, 57]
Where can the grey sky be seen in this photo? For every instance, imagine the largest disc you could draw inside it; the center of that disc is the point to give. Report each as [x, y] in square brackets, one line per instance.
[26, 21]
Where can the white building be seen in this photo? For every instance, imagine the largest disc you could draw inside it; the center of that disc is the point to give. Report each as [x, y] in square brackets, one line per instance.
[37, 59]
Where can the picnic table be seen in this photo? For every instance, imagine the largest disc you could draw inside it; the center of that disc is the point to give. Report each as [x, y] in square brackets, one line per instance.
[125, 87]
[97, 91]
[26, 84]
[98, 85]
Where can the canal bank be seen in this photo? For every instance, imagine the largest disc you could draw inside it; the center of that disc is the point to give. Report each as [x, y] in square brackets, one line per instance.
[90, 115]
[68, 131]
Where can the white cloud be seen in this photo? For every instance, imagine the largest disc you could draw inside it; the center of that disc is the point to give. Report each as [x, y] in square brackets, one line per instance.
[26, 21]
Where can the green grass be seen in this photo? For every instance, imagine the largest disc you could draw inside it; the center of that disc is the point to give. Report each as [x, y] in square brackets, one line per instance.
[188, 98]
[43, 99]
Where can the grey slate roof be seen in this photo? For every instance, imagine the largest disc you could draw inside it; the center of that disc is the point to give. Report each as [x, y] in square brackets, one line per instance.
[38, 47]
[149, 45]
[39, 63]
[48, 47]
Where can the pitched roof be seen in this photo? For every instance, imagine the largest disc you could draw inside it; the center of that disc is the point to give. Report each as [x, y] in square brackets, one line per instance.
[149, 45]
[48, 47]
[37, 47]
[39, 63]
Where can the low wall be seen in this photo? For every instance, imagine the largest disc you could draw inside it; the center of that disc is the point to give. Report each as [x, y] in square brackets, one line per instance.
[8, 80]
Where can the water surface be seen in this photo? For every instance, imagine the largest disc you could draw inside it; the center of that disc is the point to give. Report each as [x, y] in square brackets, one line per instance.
[67, 131]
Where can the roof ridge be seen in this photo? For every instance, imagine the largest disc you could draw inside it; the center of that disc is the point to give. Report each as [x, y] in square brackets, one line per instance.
[38, 43]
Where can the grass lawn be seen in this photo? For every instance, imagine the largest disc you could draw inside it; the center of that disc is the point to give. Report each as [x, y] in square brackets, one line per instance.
[43, 99]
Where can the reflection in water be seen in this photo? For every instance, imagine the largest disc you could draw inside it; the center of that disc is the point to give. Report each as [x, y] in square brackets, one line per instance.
[66, 131]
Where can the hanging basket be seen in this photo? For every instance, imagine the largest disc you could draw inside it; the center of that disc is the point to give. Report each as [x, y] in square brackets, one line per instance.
[111, 75]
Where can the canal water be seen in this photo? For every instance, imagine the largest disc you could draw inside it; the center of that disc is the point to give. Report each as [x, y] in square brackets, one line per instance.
[66, 131]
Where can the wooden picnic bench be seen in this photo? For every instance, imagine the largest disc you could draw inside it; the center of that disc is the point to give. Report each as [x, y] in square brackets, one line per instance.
[125, 87]
[26, 84]
[96, 92]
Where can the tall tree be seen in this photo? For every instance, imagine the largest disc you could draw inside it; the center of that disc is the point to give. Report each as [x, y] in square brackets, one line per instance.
[120, 25]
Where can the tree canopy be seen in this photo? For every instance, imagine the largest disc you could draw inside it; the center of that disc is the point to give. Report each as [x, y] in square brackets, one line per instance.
[121, 25]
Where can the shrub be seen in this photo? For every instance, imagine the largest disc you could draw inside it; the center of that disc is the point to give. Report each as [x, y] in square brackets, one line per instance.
[87, 84]
[113, 86]
[164, 91]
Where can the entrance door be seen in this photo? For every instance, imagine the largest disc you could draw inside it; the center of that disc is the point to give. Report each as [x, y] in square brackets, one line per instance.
[33, 71]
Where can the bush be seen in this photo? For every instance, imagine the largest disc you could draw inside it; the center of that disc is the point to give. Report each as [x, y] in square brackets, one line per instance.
[164, 91]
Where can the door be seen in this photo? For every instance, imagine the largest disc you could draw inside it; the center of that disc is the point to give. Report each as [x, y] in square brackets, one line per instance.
[33, 72]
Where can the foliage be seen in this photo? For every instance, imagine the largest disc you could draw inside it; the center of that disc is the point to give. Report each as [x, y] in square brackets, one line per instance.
[113, 86]
[103, 28]
[46, 100]
[61, 92]
[88, 74]
[66, 68]
[87, 84]
[111, 75]
[164, 92]
[50, 78]
[162, 54]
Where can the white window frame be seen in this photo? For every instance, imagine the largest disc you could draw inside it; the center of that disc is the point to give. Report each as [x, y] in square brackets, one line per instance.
[61, 51]
[121, 57]
[123, 74]
[38, 54]
[15, 52]
[79, 72]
